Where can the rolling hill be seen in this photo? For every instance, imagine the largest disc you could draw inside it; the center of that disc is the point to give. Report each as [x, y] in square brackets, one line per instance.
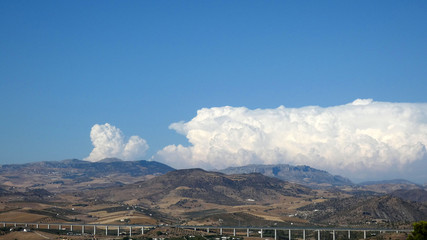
[198, 194]
[211, 187]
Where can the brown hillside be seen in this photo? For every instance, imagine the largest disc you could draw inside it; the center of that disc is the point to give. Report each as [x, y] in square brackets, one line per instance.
[211, 187]
[377, 210]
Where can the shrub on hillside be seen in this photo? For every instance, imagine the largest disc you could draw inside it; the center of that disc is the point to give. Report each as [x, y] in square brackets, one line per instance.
[420, 231]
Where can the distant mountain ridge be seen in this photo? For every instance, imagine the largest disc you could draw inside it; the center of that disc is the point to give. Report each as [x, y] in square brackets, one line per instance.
[304, 175]
[389, 186]
[74, 173]
[391, 181]
[106, 166]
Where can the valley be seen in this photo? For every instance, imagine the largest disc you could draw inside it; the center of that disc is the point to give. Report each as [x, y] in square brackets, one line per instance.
[114, 193]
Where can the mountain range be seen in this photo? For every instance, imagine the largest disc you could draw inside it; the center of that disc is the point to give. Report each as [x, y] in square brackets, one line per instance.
[150, 192]
[298, 174]
[74, 174]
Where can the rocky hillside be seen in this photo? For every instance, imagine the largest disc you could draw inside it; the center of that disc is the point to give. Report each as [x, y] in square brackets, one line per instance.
[304, 175]
[371, 210]
[413, 195]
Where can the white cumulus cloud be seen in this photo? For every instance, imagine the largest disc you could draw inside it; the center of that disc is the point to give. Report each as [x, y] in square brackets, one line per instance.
[361, 137]
[109, 142]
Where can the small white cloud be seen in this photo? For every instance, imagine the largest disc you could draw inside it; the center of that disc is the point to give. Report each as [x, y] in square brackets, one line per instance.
[109, 142]
[359, 102]
[361, 137]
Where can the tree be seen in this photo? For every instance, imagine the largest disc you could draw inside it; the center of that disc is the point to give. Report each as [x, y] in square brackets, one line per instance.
[420, 231]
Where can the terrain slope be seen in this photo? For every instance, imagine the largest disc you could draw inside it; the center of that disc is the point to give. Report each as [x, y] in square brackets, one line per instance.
[197, 194]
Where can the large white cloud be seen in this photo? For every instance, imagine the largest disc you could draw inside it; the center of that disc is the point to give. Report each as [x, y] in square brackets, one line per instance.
[364, 135]
[109, 142]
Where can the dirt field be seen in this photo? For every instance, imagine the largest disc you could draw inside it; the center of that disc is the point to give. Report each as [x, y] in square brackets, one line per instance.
[19, 216]
[28, 236]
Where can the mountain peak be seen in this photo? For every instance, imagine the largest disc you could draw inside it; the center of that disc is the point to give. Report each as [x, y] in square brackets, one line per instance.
[303, 174]
[110, 160]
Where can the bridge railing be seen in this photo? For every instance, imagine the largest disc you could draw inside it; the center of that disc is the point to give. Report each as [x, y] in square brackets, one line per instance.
[129, 229]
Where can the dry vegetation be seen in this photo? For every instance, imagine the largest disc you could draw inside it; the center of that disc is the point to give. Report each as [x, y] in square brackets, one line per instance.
[186, 197]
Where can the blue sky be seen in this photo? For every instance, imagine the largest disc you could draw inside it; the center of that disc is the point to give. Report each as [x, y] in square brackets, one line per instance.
[143, 65]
